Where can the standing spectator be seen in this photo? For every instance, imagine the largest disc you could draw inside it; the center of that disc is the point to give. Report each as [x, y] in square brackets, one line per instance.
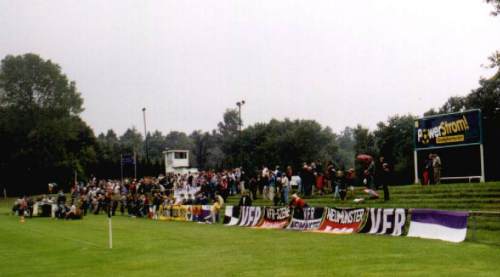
[387, 180]
[320, 182]
[428, 171]
[245, 200]
[329, 176]
[369, 173]
[379, 172]
[331, 172]
[61, 204]
[30, 203]
[341, 184]
[265, 182]
[289, 173]
[307, 177]
[436, 164]
[272, 186]
[252, 185]
[23, 205]
[214, 212]
[285, 189]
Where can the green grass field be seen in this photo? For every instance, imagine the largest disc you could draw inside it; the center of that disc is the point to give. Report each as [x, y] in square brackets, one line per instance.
[49, 247]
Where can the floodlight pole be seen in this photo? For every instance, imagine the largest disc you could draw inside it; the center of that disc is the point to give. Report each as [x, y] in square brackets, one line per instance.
[240, 125]
[145, 135]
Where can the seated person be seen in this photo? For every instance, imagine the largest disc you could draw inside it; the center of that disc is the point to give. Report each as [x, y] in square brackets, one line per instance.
[61, 211]
[73, 213]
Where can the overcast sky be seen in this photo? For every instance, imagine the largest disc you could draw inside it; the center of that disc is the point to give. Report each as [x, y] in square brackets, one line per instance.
[338, 62]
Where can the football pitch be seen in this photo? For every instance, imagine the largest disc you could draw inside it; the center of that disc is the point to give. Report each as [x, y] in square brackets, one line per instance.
[141, 247]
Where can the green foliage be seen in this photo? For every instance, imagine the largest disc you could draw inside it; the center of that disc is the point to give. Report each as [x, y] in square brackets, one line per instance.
[364, 141]
[284, 143]
[42, 137]
[394, 140]
[486, 97]
[230, 125]
[202, 143]
[346, 143]
[30, 84]
[131, 141]
[156, 145]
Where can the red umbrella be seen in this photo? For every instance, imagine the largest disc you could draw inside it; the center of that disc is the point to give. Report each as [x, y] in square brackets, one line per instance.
[364, 158]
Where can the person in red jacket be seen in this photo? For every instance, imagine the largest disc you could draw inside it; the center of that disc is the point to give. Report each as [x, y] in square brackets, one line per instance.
[297, 202]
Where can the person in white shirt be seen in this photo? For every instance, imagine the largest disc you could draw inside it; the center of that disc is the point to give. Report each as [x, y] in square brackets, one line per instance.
[285, 189]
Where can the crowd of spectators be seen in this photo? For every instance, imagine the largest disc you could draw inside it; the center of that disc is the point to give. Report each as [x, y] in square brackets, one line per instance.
[146, 196]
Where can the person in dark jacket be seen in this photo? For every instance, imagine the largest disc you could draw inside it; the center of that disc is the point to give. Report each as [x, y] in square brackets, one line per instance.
[341, 184]
[386, 179]
[245, 200]
[308, 180]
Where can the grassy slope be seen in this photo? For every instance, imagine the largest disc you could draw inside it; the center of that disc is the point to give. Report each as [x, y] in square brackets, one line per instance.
[48, 247]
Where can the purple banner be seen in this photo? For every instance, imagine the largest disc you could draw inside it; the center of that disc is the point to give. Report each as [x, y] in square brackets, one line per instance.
[451, 219]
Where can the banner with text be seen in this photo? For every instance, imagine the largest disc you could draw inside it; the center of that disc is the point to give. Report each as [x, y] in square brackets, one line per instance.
[174, 212]
[448, 129]
[275, 218]
[305, 219]
[342, 221]
[385, 222]
[250, 216]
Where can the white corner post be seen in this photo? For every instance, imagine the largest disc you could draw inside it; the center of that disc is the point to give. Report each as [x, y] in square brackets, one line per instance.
[110, 234]
[415, 162]
[481, 150]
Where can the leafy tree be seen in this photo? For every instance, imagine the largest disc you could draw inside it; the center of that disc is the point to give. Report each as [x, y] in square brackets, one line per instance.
[283, 143]
[156, 145]
[228, 139]
[230, 125]
[178, 140]
[364, 141]
[42, 137]
[486, 97]
[394, 140]
[346, 153]
[202, 142]
[131, 141]
[109, 146]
